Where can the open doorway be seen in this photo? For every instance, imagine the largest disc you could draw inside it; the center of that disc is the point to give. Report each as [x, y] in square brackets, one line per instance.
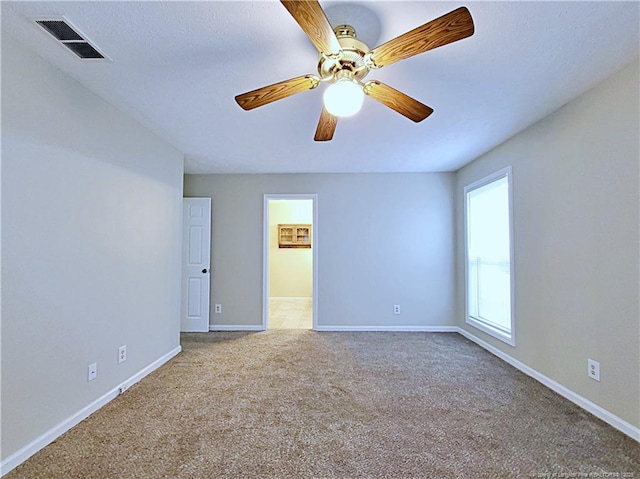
[289, 261]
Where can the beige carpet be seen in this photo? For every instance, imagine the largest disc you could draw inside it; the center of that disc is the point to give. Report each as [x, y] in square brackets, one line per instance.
[304, 404]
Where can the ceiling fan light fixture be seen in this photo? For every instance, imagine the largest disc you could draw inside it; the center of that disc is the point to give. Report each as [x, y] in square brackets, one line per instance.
[344, 61]
[343, 98]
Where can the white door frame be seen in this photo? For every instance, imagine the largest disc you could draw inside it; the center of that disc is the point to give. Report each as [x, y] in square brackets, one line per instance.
[265, 252]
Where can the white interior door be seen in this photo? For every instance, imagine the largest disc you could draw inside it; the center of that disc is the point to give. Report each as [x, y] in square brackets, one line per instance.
[196, 264]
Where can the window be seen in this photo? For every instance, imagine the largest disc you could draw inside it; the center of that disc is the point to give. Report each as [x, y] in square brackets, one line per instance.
[489, 270]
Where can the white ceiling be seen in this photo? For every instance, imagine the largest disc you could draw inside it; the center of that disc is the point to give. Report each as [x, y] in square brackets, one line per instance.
[178, 65]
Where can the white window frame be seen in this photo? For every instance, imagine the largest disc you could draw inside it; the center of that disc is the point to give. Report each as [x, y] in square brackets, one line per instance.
[476, 322]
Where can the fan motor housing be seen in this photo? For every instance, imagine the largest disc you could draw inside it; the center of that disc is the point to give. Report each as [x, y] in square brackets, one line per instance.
[350, 59]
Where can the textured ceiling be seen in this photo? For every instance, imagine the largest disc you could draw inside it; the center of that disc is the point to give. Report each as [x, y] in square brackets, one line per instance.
[178, 65]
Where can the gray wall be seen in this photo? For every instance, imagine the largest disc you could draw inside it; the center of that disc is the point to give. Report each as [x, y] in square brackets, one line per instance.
[576, 212]
[384, 239]
[91, 232]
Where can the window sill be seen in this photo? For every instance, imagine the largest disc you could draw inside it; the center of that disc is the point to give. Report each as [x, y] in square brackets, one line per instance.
[491, 331]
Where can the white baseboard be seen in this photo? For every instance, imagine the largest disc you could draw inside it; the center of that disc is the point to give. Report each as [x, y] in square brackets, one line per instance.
[598, 411]
[427, 329]
[236, 327]
[415, 329]
[52, 434]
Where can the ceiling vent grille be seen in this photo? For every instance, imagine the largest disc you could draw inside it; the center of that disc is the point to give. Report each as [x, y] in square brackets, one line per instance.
[62, 30]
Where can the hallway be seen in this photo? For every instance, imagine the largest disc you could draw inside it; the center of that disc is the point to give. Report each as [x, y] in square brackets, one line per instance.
[290, 313]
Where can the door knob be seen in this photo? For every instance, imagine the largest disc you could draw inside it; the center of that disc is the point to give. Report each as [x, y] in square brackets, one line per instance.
[204, 270]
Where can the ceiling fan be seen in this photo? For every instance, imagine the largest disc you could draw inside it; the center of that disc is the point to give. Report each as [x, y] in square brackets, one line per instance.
[344, 61]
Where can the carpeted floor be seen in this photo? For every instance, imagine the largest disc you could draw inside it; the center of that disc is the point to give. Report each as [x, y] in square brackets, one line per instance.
[305, 404]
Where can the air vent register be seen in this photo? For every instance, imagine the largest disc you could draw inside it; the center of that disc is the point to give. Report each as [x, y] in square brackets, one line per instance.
[63, 32]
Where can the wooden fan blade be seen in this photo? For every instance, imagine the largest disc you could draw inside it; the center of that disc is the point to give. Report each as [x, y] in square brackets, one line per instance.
[311, 18]
[277, 91]
[446, 29]
[326, 126]
[396, 100]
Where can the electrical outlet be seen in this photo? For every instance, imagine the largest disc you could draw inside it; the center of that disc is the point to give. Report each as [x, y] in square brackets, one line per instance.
[218, 308]
[593, 369]
[122, 354]
[93, 372]
[396, 309]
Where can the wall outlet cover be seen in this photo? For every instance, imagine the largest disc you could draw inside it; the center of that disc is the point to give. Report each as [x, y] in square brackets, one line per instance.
[593, 369]
[92, 372]
[122, 353]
